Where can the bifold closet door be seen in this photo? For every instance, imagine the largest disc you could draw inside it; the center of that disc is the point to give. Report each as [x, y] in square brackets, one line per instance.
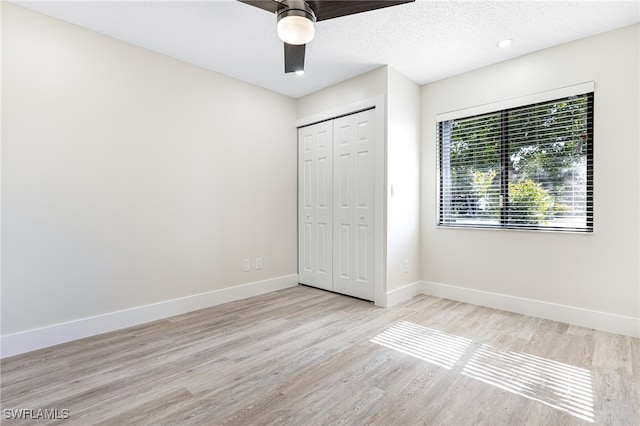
[315, 205]
[353, 205]
[336, 205]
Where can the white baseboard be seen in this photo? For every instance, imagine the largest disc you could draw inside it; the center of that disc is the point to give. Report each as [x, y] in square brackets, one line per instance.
[612, 323]
[30, 340]
[402, 294]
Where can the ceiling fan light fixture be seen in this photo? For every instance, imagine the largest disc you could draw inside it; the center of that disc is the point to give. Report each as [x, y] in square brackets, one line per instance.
[295, 23]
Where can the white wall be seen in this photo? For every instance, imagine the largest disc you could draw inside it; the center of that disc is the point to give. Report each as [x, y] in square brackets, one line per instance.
[403, 172]
[368, 85]
[130, 178]
[598, 272]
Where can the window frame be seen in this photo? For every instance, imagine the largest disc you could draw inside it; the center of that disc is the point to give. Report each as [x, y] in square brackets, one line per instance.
[503, 108]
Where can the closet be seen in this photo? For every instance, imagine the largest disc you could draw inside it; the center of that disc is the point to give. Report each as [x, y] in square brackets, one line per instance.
[336, 204]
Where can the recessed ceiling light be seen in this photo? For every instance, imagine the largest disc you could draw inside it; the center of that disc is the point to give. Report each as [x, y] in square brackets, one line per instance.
[505, 43]
[300, 72]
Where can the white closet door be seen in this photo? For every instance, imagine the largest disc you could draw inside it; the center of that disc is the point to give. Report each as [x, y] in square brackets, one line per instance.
[353, 205]
[315, 205]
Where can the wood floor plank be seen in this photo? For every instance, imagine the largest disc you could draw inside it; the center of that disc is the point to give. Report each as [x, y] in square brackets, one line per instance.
[149, 412]
[303, 356]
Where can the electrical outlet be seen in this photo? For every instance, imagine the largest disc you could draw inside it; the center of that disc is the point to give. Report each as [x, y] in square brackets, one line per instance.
[246, 265]
[406, 266]
[258, 263]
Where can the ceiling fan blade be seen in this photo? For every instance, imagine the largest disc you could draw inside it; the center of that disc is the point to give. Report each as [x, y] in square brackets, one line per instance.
[293, 57]
[268, 5]
[327, 9]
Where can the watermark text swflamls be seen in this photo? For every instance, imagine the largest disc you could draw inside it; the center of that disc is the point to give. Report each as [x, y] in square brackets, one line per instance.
[35, 414]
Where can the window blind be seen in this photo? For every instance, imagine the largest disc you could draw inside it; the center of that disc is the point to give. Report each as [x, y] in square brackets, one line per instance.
[525, 167]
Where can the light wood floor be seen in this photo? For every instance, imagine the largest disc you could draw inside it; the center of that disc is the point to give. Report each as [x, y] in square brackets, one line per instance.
[304, 357]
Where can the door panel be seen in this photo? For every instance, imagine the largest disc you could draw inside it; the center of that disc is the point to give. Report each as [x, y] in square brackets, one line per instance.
[315, 211]
[363, 253]
[324, 237]
[344, 181]
[343, 251]
[354, 205]
[305, 258]
[307, 184]
[362, 183]
[324, 178]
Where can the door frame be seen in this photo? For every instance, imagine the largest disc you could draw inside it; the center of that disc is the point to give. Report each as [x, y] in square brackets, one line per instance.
[380, 173]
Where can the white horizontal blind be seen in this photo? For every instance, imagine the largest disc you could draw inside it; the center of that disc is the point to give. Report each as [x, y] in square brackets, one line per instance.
[527, 167]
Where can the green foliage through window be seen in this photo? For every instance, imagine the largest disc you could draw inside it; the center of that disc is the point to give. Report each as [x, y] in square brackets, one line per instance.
[528, 167]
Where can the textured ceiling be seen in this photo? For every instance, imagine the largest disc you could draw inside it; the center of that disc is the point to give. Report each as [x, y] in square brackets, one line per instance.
[426, 40]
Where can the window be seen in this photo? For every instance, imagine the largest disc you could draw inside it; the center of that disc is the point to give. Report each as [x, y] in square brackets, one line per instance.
[521, 167]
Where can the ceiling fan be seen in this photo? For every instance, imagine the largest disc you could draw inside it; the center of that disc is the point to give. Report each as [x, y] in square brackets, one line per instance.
[295, 19]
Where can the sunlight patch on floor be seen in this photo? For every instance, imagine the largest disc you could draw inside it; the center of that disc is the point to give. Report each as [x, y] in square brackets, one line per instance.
[557, 385]
[424, 343]
[561, 386]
